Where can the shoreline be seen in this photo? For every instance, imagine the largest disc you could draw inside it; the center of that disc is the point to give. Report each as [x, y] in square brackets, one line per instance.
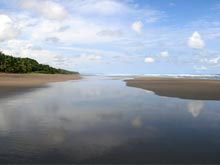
[13, 84]
[184, 88]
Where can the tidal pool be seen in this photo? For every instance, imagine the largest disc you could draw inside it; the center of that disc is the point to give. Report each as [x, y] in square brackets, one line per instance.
[101, 120]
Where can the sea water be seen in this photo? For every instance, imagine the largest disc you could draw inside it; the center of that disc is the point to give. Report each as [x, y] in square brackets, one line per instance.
[100, 120]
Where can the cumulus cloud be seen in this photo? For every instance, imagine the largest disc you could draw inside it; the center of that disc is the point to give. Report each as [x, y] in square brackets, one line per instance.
[196, 41]
[47, 8]
[7, 28]
[149, 60]
[137, 26]
[23, 48]
[164, 54]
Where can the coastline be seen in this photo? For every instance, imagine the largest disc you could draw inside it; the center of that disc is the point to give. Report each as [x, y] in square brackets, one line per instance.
[12, 84]
[184, 88]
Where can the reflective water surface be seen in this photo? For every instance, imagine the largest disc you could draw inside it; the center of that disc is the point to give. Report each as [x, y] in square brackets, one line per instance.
[101, 120]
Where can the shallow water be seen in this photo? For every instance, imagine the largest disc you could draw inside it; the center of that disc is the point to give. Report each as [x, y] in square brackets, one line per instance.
[101, 120]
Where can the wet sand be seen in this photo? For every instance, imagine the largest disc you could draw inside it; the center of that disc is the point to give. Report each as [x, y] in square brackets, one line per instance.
[12, 84]
[185, 88]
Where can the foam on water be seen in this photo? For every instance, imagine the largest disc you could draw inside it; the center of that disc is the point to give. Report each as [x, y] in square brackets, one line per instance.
[199, 76]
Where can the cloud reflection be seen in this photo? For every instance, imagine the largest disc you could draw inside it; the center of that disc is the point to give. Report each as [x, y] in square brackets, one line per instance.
[89, 118]
[195, 107]
[136, 122]
[87, 122]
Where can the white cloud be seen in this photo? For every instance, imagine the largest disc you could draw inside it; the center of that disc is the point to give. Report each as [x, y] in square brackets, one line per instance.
[22, 48]
[152, 16]
[82, 59]
[149, 60]
[74, 30]
[7, 28]
[106, 7]
[215, 60]
[47, 8]
[127, 9]
[152, 19]
[93, 51]
[110, 33]
[164, 54]
[196, 41]
[137, 26]
[90, 57]
[200, 68]
[80, 29]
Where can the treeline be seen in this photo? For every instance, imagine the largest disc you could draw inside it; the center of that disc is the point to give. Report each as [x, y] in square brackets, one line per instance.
[12, 64]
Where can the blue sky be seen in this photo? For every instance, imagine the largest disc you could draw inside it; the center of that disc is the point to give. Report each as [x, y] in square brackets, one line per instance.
[115, 36]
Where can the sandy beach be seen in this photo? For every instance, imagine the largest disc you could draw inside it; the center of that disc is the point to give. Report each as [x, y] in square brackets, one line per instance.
[185, 88]
[11, 84]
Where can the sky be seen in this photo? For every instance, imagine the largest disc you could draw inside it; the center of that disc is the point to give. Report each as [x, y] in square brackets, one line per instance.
[115, 36]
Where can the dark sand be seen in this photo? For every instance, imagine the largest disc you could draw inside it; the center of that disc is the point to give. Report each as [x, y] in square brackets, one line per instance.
[185, 88]
[13, 84]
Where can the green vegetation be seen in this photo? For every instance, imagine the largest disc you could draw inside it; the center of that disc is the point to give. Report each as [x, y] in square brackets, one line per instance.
[12, 64]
